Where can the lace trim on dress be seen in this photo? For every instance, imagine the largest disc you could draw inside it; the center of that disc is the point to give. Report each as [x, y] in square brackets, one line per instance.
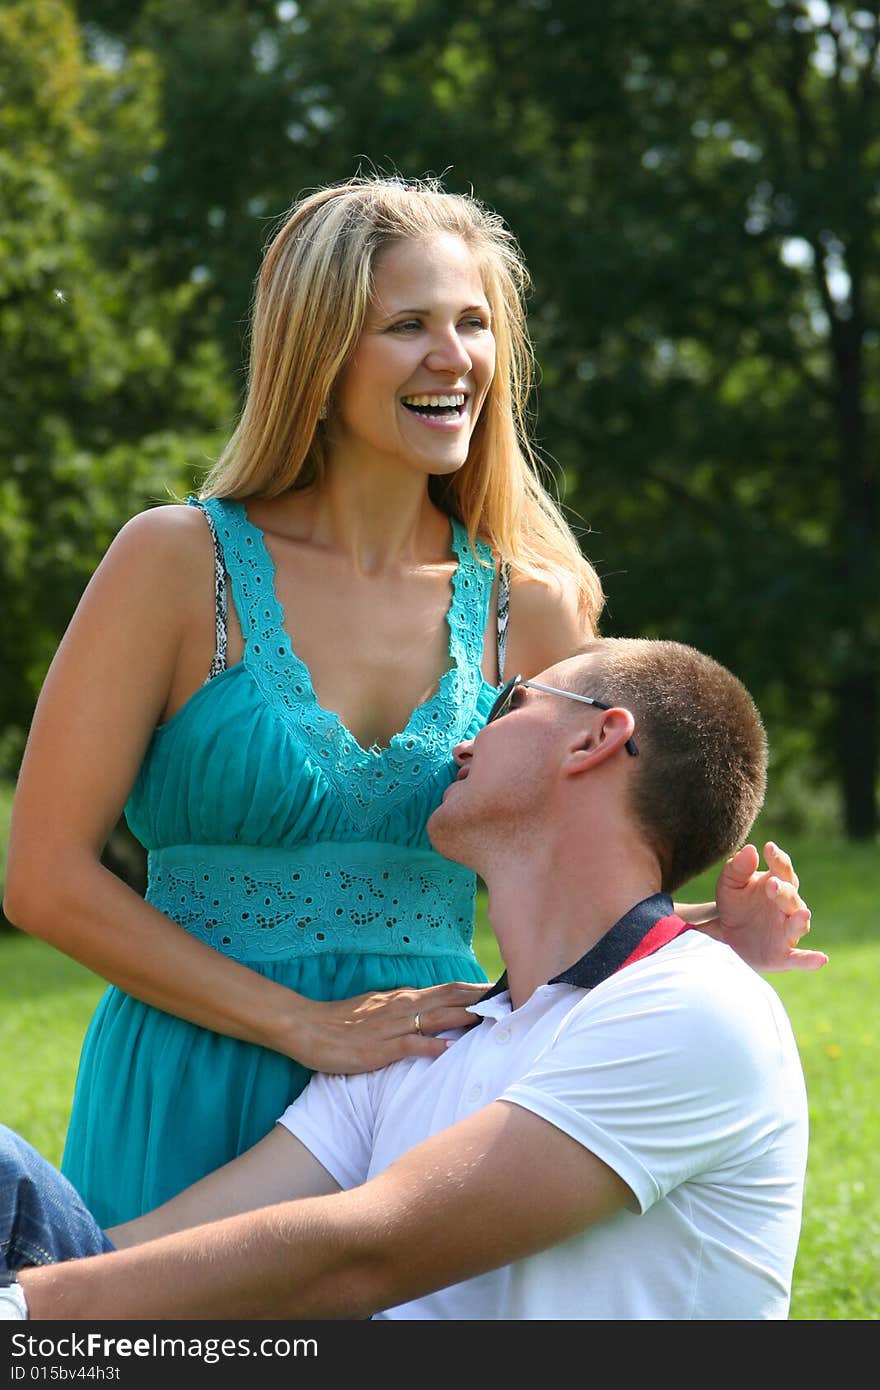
[370, 782]
[269, 904]
[220, 605]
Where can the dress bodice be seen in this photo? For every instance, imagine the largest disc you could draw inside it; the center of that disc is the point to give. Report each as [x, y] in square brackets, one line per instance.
[253, 758]
[252, 776]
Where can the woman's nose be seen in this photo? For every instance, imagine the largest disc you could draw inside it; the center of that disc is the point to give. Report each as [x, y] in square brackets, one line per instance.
[449, 354]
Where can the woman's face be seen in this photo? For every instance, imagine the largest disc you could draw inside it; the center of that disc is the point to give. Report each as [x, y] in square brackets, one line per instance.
[415, 384]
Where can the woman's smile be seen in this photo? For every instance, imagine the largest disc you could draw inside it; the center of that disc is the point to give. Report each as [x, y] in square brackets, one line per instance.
[446, 410]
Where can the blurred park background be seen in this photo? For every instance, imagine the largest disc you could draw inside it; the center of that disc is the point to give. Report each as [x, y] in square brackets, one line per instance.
[696, 188]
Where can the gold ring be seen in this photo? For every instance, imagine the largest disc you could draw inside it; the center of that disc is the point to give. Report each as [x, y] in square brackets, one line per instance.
[417, 1024]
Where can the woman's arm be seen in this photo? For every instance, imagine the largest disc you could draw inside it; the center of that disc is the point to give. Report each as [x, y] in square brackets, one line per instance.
[143, 615]
[759, 913]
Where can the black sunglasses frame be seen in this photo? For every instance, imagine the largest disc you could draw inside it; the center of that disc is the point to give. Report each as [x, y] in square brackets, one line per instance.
[506, 693]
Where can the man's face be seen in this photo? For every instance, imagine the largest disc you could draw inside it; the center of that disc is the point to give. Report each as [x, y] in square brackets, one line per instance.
[506, 773]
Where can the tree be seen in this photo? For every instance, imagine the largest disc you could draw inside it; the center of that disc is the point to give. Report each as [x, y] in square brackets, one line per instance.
[104, 403]
[694, 188]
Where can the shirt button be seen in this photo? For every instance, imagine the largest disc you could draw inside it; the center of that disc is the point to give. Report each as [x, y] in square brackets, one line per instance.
[502, 1035]
[475, 1092]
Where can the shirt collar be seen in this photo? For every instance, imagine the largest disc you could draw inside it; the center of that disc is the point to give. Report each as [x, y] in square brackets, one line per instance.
[641, 931]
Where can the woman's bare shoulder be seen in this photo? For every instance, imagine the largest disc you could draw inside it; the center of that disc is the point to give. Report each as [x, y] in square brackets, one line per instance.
[170, 524]
[547, 623]
[170, 540]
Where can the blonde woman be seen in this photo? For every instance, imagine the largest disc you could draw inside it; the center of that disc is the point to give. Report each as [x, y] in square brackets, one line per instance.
[278, 737]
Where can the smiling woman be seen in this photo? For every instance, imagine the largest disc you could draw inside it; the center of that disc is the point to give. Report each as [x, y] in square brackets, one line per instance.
[271, 681]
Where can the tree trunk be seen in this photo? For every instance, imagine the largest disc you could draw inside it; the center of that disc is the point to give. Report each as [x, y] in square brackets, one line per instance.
[858, 691]
[857, 723]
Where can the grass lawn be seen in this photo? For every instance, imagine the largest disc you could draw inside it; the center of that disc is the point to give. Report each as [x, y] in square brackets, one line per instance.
[46, 1001]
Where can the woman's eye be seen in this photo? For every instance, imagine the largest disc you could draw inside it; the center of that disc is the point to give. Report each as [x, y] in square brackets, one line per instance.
[476, 324]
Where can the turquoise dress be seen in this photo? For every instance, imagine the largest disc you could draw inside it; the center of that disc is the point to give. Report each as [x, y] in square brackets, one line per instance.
[275, 838]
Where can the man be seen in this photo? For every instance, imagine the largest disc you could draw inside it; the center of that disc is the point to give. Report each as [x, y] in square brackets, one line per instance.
[624, 1133]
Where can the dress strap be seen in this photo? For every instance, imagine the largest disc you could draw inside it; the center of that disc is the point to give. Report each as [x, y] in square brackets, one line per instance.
[221, 625]
[503, 615]
[472, 585]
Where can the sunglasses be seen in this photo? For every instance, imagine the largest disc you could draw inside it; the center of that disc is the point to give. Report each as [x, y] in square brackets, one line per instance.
[505, 696]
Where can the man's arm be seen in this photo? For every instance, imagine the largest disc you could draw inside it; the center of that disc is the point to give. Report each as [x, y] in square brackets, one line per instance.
[277, 1169]
[493, 1188]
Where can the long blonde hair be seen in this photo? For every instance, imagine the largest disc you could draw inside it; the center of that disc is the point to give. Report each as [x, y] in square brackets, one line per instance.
[310, 304]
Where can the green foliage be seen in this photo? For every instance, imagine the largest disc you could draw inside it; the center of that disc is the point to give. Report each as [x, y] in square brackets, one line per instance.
[5, 818]
[104, 404]
[693, 187]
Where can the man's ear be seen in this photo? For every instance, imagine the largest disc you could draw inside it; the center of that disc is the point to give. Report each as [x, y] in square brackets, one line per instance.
[608, 732]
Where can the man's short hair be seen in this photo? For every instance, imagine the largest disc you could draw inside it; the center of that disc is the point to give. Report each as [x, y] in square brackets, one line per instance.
[702, 771]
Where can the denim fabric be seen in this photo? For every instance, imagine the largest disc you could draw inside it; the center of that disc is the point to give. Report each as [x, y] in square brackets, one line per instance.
[42, 1219]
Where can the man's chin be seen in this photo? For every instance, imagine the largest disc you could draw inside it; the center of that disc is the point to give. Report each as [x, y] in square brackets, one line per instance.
[445, 835]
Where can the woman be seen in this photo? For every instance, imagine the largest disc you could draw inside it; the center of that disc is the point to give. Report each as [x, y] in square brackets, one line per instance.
[296, 917]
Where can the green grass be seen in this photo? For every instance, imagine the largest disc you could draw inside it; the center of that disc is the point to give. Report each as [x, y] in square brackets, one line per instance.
[46, 1001]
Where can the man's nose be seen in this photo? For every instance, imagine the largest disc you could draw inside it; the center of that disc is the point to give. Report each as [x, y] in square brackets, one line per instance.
[462, 752]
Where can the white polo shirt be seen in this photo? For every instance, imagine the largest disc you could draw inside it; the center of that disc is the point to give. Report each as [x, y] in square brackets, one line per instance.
[680, 1072]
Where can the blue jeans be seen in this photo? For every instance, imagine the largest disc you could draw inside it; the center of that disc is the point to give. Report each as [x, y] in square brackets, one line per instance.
[42, 1219]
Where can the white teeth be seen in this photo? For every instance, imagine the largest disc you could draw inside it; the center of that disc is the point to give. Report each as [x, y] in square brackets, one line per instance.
[456, 400]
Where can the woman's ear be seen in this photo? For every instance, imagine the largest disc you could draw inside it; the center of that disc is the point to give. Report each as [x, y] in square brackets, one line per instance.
[607, 731]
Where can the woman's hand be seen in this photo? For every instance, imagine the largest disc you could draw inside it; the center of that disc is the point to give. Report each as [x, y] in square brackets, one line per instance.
[761, 913]
[371, 1030]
